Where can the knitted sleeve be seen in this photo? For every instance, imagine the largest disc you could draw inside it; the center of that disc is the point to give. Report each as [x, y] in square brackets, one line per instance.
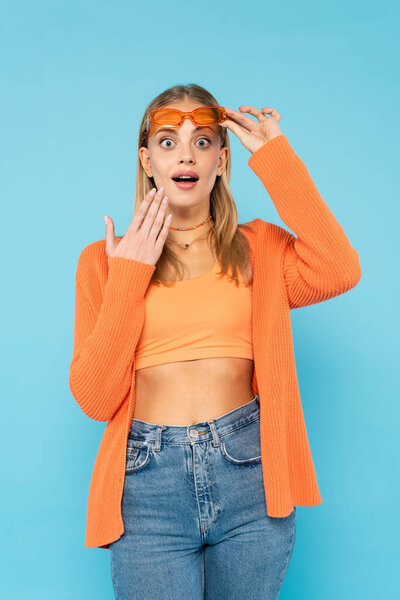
[318, 262]
[107, 329]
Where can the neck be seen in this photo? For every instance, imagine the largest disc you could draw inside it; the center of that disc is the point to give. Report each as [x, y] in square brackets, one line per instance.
[191, 234]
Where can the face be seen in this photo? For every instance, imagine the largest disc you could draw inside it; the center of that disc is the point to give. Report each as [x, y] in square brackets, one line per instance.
[187, 148]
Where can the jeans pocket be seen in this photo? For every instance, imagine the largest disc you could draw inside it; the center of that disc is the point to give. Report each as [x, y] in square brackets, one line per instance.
[242, 446]
[138, 455]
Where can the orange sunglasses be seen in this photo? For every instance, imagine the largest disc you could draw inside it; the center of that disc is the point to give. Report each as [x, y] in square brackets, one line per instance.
[172, 117]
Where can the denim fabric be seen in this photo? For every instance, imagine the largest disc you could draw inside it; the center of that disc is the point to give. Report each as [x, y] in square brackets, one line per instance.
[195, 515]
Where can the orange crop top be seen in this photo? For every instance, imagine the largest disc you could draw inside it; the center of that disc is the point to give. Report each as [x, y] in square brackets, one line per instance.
[206, 316]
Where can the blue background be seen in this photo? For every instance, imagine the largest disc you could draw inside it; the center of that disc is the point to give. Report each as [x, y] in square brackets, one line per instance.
[75, 80]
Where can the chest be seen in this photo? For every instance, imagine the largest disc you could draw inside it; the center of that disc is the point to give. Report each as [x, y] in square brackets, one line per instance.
[195, 264]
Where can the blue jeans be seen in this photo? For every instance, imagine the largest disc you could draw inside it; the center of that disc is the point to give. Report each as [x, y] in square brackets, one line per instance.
[195, 516]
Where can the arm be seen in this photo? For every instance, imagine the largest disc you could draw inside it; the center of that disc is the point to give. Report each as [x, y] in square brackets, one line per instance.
[106, 331]
[320, 262]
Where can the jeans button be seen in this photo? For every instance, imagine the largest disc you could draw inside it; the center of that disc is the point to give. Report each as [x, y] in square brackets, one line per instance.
[194, 433]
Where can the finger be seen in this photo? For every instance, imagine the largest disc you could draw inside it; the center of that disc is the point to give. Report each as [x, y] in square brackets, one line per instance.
[110, 235]
[271, 111]
[147, 200]
[158, 221]
[254, 111]
[162, 236]
[243, 119]
[238, 130]
[143, 206]
[151, 214]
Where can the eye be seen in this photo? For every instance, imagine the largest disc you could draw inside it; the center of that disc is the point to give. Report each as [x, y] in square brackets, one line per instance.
[165, 139]
[205, 138]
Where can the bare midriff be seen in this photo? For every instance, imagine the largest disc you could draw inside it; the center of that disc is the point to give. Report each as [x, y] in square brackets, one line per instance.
[191, 391]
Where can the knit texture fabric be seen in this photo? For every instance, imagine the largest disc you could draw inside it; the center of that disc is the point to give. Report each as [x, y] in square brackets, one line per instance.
[290, 271]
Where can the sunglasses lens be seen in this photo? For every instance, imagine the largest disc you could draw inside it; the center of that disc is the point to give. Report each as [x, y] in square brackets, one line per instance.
[166, 117]
[207, 115]
[170, 117]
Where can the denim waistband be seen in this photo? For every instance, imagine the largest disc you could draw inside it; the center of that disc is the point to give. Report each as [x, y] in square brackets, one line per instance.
[202, 431]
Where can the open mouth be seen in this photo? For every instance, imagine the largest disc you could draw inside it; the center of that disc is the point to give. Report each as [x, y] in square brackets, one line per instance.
[185, 179]
[185, 182]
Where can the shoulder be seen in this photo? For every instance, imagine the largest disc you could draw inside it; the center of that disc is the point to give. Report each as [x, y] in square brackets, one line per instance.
[92, 266]
[92, 271]
[266, 232]
[94, 254]
[91, 258]
[248, 226]
[92, 250]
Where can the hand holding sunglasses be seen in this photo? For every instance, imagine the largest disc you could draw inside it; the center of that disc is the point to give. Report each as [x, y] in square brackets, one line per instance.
[257, 134]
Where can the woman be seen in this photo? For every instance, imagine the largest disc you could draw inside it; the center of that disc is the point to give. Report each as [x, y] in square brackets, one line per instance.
[183, 344]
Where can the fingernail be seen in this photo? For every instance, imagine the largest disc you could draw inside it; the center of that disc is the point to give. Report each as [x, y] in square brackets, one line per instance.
[106, 220]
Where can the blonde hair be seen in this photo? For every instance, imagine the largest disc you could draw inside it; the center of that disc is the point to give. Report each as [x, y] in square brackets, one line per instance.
[230, 245]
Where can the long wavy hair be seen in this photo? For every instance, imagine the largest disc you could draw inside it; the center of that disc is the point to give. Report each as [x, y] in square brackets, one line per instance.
[228, 244]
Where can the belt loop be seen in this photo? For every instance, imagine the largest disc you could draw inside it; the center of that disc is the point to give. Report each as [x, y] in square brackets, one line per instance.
[215, 435]
[159, 429]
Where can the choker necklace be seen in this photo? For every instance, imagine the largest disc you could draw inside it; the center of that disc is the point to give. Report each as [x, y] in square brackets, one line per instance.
[189, 228]
[186, 245]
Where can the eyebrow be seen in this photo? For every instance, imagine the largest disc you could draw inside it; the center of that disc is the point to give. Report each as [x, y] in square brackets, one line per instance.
[175, 131]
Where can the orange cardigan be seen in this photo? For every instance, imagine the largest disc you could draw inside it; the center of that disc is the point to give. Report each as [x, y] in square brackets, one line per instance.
[289, 272]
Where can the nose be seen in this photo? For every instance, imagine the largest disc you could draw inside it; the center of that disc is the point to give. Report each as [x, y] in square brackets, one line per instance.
[186, 155]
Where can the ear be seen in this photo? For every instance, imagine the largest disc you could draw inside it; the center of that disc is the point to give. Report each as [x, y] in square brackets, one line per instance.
[144, 157]
[223, 157]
